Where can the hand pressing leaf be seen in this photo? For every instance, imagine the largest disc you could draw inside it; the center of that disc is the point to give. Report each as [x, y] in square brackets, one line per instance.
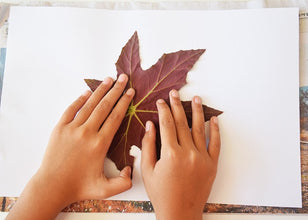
[168, 73]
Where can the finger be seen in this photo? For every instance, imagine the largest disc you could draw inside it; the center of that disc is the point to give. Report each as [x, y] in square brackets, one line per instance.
[148, 153]
[106, 104]
[72, 110]
[198, 128]
[180, 120]
[115, 118]
[166, 124]
[214, 145]
[92, 102]
[118, 184]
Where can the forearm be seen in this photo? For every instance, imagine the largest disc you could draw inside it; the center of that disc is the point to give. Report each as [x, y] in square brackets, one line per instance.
[37, 202]
[171, 212]
[177, 216]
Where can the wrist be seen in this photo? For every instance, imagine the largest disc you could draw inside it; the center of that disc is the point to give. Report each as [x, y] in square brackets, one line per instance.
[177, 213]
[50, 190]
[39, 200]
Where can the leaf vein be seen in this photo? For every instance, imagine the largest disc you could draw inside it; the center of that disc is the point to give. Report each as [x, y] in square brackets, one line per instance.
[174, 68]
[146, 111]
[138, 119]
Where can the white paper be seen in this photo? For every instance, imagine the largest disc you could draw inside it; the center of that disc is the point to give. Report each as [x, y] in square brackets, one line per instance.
[250, 71]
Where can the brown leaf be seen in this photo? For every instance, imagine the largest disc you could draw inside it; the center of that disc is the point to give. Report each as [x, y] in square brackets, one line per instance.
[168, 73]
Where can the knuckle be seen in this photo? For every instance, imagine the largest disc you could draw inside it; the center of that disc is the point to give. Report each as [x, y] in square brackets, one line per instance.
[89, 106]
[199, 129]
[181, 124]
[194, 161]
[98, 146]
[124, 101]
[177, 103]
[118, 86]
[115, 115]
[103, 87]
[167, 122]
[199, 109]
[171, 154]
[192, 156]
[107, 103]
[102, 141]
[83, 133]
[79, 101]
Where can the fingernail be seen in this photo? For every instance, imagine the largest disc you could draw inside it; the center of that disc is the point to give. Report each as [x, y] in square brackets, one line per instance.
[160, 101]
[122, 78]
[107, 81]
[147, 126]
[197, 100]
[175, 94]
[214, 119]
[130, 91]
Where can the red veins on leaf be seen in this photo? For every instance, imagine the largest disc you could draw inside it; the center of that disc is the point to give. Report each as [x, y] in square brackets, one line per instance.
[168, 73]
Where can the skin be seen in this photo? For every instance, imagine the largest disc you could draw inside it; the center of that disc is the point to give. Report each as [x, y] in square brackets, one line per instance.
[178, 184]
[72, 168]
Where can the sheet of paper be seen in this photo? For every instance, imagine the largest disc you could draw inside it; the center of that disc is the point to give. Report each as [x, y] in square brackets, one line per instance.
[250, 71]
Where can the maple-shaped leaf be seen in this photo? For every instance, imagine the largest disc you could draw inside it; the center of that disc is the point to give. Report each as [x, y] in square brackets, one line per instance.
[168, 73]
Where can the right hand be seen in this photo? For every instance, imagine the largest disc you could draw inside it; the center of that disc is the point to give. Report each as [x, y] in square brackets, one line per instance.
[179, 183]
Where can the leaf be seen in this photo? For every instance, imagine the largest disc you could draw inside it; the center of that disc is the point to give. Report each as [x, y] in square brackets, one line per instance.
[168, 73]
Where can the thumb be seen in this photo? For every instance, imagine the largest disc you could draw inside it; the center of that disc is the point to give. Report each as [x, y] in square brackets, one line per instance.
[119, 184]
[148, 153]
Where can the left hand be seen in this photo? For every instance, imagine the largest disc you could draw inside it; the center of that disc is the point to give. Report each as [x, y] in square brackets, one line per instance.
[72, 168]
[79, 143]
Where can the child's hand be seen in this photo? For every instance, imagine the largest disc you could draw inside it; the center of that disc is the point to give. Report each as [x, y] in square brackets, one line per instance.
[72, 168]
[79, 143]
[179, 183]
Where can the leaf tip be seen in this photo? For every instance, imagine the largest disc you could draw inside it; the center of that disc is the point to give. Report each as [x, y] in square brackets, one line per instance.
[134, 38]
[200, 51]
[93, 83]
[219, 112]
[87, 81]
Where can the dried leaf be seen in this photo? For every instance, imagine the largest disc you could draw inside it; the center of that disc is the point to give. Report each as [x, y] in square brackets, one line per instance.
[168, 73]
